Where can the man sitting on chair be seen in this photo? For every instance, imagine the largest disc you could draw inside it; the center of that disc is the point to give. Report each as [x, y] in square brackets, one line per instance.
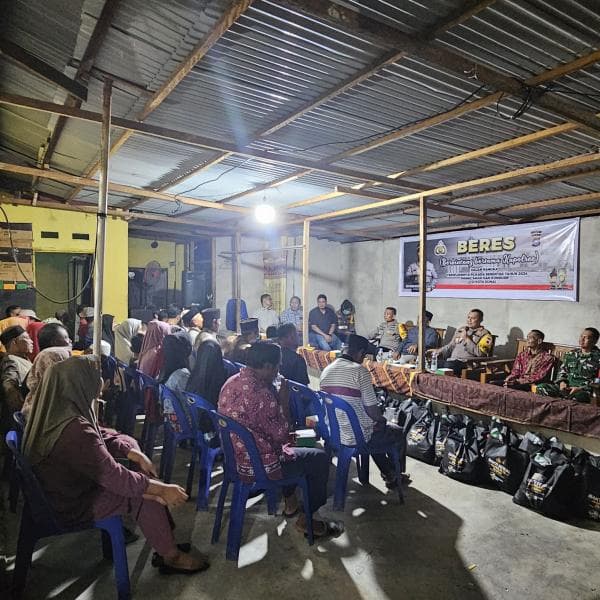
[578, 370]
[251, 399]
[408, 348]
[386, 335]
[293, 366]
[470, 341]
[322, 324]
[348, 379]
[532, 365]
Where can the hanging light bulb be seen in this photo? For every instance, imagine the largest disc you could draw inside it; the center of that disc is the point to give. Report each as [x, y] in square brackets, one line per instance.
[264, 213]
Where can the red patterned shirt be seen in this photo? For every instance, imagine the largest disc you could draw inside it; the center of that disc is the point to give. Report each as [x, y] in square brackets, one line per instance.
[254, 404]
[531, 368]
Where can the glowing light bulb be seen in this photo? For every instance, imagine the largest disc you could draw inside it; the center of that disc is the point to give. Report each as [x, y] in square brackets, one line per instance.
[264, 213]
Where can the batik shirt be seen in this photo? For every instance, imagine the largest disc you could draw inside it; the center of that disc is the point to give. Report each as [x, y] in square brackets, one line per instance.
[254, 404]
[531, 368]
[579, 368]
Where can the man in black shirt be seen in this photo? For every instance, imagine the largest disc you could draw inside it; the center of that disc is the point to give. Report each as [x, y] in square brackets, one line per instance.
[322, 323]
[293, 365]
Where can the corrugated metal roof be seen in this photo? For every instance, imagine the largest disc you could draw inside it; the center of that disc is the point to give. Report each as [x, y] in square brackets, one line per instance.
[273, 61]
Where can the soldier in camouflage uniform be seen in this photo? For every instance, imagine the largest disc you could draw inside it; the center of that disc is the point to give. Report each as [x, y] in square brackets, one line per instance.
[578, 370]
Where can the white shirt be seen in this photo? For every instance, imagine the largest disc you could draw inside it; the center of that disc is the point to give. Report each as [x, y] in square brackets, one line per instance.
[266, 317]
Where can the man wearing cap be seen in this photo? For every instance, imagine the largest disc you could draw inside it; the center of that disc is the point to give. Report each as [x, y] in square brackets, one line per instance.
[33, 328]
[210, 329]
[348, 379]
[14, 368]
[267, 316]
[249, 335]
[409, 347]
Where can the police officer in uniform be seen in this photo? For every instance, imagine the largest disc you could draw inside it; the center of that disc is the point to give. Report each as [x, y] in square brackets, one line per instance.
[412, 275]
[470, 341]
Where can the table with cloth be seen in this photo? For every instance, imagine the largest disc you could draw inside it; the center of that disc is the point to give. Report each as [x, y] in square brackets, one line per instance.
[393, 378]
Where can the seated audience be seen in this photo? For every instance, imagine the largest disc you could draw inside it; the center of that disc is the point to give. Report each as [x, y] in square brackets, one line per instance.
[210, 329]
[173, 317]
[124, 333]
[408, 348]
[193, 322]
[271, 333]
[136, 347]
[43, 361]
[532, 365]
[348, 379]
[33, 329]
[9, 322]
[266, 314]
[293, 314]
[14, 368]
[346, 320]
[12, 311]
[251, 399]
[52, 335]
[151, 356]
[177, 348]
[206, 380]
[322, 324]
[386, 335]
[108, 324]
[249, 334]
[470, 341]
[88, 484]
[578, 370]
[293, 366]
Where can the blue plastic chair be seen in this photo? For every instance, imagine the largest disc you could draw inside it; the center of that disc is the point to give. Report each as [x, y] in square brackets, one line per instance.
[133, 401]
[190, 432]
[241, 489]
[305, 402]
[360, 451]
[207, 453]
[38, 521]
[149, 430]
[231, 368]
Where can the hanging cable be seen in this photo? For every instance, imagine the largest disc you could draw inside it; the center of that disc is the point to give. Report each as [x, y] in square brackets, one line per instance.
[15, 257]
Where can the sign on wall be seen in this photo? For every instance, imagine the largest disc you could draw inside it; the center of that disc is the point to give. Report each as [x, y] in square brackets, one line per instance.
[530, 261]
[275, 276]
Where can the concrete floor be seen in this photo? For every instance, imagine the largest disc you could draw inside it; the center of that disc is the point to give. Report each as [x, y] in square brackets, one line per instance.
[449, 541]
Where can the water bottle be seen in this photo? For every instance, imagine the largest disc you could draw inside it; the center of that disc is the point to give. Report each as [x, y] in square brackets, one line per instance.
[379, 357]
[434, 362]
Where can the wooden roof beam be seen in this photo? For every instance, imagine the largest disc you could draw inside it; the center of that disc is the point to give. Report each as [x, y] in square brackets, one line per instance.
[38, 67]
[236, 9]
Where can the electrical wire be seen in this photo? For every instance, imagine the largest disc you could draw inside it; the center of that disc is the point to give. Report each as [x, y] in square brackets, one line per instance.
[15, 252]
[215, 179]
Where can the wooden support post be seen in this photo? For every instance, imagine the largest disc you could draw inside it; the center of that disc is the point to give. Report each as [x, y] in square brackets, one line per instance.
[305, 274]
[422, 280]
[102, 214]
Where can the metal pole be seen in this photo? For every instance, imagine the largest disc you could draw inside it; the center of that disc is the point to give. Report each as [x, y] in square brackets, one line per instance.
[422, 279]
[305, 258]
[238, 281]
[102, 210]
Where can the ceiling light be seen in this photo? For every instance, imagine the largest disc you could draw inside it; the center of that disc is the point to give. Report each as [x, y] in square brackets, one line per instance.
[264, 213]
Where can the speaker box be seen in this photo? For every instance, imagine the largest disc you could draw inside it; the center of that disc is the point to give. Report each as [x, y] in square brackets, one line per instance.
[193, 288]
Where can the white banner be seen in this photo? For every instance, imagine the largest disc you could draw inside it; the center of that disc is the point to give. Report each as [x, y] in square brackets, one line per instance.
[528, 261]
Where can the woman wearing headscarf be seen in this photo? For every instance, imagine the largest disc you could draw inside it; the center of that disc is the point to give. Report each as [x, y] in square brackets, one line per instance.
[108, 336]
[151, 357]
[43, 361]
[124, 333]
[177, 348]
[206, 380]
[77, 468]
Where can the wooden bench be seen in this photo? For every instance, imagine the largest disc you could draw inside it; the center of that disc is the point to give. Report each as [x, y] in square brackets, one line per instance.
[497, 370]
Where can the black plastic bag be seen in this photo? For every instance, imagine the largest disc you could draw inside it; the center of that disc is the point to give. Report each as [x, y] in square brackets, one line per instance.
[548, 484]
[462, 458]
[586, 484]
[404, 412]
[420, 439]
[447, 423]
[506, 463]
[532, 443]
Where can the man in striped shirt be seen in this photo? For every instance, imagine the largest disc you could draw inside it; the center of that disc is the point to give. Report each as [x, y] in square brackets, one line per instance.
[348, 379]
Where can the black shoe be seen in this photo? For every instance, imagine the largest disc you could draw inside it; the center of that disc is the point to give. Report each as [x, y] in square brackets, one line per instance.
[157, 559]
[130, 536]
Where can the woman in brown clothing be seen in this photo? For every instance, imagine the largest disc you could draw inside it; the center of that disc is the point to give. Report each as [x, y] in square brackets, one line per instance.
[78, 471]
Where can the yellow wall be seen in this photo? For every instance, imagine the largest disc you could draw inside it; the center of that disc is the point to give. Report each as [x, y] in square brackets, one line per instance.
[171, 256]
[66, 223]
